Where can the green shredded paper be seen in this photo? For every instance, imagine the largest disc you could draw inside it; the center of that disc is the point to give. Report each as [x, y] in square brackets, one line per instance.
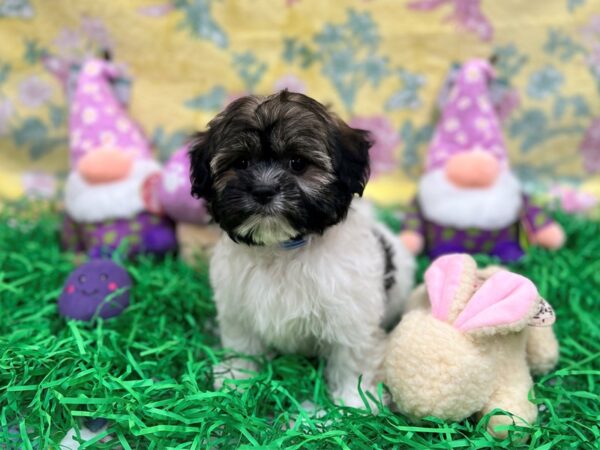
[148, 371]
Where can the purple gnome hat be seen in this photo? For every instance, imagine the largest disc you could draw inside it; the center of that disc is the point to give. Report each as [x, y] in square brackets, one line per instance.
[469, 121]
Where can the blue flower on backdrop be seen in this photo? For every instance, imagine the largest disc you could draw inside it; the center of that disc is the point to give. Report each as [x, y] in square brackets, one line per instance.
[413, 138]
[167, 143]
[5, 69]
[576, 104]
[199, 21]
[562, 45]
[34, 135]
[509, 61]
[347, 52]
[295, 51]
[249, 68]
[16, 8]
[33, 52]
[544, 82]
[210, 101]
[39, 135]
[572, 5]
[566, 49]
[533, 127]
[408, 95]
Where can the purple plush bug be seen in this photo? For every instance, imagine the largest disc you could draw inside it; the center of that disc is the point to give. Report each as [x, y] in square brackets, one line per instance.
[99, 288]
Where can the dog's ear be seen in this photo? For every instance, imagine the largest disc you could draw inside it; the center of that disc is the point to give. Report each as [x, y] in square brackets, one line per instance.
[352, 157]
[200, 155]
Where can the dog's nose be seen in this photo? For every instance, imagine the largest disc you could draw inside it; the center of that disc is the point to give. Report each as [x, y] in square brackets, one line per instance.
[263, 194]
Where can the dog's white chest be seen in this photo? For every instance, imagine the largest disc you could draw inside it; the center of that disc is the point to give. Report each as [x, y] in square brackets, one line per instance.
[283, 297]
[301, 300]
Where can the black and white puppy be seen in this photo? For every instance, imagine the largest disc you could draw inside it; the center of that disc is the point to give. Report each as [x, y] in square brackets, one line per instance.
[301, 267]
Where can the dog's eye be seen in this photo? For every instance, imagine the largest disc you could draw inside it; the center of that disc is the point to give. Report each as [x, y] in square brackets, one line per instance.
[298, 165]
[241, 163]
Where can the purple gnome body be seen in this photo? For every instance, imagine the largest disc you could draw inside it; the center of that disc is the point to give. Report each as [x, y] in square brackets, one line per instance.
[143, 233]
[504, 243]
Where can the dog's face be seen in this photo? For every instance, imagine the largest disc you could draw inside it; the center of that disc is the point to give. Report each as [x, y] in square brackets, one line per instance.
[275, 168]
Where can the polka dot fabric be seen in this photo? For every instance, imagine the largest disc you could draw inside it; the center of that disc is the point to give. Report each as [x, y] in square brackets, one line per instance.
[97, 120]
[468, 122]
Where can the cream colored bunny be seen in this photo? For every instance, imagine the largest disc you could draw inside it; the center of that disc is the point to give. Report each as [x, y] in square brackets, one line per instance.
[469, 344]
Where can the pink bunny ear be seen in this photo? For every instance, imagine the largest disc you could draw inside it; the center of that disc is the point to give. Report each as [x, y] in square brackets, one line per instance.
[505, 300]
[444, 279]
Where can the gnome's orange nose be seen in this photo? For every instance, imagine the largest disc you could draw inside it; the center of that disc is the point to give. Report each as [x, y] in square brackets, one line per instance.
[472, 170]
[104, 166]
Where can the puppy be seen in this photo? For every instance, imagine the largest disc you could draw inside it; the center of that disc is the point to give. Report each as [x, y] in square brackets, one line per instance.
[301, 268]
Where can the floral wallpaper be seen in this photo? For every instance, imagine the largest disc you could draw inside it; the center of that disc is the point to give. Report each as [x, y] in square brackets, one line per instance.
[381, 64]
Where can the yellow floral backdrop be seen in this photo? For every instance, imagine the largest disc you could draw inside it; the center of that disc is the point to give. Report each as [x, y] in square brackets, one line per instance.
[379, 63]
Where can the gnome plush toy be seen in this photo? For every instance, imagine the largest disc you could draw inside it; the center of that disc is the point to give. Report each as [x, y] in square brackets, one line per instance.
[195, 234]
[111, 191]
[469, 200]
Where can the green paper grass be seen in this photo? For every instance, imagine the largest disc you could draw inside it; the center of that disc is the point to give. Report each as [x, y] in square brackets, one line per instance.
[149, 370]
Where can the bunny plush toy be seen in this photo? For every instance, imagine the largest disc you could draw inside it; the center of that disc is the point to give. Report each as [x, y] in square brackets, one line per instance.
[469, 344]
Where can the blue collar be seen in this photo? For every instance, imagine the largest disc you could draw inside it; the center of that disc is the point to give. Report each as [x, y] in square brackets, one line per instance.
[293, 244]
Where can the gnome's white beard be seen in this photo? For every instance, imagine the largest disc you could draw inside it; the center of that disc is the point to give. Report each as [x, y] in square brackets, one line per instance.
[491, 208]
[86, 202]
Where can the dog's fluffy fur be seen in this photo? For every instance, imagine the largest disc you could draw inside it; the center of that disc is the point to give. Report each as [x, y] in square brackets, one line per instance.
[279, 168]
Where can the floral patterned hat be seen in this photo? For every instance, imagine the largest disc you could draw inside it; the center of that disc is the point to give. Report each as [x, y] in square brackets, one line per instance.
[98, 120]
[469, 121]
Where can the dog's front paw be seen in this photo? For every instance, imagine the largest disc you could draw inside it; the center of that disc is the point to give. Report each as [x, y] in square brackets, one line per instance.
[232, 369]
[349, 396]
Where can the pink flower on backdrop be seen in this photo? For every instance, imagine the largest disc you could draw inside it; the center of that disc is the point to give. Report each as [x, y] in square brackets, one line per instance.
[57, 66]
[572, 200]
[590, 147]
[6, 112]
[507, 104]
[96, 32]
[159, 10]
[39, 184]
[69, 44]
[290, 82]
[34, 92]
[466, 14]
[592, 59]
[290, 3]
[73, 45]
[386, 138]
[591, 32]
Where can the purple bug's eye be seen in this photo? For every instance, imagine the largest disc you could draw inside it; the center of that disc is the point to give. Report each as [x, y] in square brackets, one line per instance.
[82, 278]
[103, 277]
